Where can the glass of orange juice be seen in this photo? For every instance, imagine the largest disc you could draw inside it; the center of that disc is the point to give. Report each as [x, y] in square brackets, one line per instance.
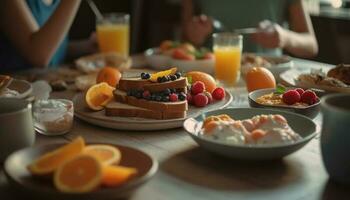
[227, 49]
[113, 33]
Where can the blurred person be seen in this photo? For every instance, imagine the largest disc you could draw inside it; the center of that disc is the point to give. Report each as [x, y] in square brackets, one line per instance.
[33, 33]
[282, 24]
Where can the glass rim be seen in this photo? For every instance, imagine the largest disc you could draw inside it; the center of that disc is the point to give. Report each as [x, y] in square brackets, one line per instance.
[116, 15]
[227, 34]
[325, 104]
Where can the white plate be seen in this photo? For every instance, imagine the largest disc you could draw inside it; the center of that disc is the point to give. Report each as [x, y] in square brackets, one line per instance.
[289, 77]
[138, 124]
[24, 88]
[299, 123]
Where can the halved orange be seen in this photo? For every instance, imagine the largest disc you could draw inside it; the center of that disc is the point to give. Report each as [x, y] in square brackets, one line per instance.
[116, 175]
[81, 174]
[168, 72]
[107, 154]
[49, 162]
[99, 95]
[110, 75]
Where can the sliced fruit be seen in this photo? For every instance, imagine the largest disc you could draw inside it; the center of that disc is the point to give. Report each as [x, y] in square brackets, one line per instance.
[116, 175]
[80, 174]
[259, 78]
[182, 54]
[168, 72]
[209, 127]
[211, 118]
[99, 95]
[109, 75]
[207, 79]
[49, 162]
[107, 154]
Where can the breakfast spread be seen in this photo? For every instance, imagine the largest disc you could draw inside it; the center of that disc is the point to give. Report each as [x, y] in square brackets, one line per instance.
[293, 97]
[336, 77]
[259, 130]
[80, 168]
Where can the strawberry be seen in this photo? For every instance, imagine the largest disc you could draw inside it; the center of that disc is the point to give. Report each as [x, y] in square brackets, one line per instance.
[200, 100]
[197, 87]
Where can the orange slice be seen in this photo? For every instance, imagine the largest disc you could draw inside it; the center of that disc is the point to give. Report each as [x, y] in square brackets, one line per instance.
[116, 175]
[168, 72]
[107, 154]
[49, 162]
[80, 174]
[99, 95]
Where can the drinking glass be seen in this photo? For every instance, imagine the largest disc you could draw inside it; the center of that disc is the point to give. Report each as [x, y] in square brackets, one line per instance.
[113, 33]
[227, 49]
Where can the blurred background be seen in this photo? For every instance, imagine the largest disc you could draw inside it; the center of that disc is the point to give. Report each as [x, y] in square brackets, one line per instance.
[153, 21]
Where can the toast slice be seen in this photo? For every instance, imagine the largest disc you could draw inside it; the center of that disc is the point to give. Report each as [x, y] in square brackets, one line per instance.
[115, 108]
[127, 84]
[179, 106]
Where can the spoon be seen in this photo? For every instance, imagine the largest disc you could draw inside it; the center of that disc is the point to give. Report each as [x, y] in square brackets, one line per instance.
[95, 9]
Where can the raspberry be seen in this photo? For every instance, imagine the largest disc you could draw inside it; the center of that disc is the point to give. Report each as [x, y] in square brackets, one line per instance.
[200, 100]
[173, 97]
[210, 98]
[300, 91]
[146, 94]
[189, 98]
[309, 97]
[218, 93]
[197, 87]
[291, 97]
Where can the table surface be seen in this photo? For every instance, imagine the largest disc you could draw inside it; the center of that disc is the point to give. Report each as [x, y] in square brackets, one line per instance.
[188, 172]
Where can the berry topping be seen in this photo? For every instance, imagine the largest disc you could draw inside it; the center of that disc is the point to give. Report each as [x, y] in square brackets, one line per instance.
[173, 97]
[300, 91]
[172, 90]
[182, 96]
[146, 94]
[210, 97]
[189, 98]
[200, 100]
[173, 77]
[138, 94]
[165, 98]
[145, 75]
[166, 92]
[309, 97]
[178, 74]
[218, 93]
[159, 79]
[291, 97]
[197, 87]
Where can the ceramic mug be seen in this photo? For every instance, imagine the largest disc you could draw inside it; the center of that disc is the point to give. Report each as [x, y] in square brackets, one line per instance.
[335, 136]
[16, 126]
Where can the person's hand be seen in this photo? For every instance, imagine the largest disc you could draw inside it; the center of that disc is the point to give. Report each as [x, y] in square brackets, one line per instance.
[270, 35]
[198, 29]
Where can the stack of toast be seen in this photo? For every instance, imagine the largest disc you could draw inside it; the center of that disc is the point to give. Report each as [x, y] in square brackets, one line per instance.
[143, 98]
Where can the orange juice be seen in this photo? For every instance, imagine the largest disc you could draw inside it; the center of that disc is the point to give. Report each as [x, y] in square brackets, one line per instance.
[227, 64]
[113, 38]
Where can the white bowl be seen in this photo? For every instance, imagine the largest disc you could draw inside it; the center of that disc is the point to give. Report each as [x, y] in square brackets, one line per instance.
[205, 65]
[156, 60]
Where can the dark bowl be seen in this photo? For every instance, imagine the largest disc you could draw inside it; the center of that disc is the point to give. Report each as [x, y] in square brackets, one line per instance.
[309, 111]
[25, 184]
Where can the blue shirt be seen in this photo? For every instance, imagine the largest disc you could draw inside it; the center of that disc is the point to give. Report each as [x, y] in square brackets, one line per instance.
[10, 58]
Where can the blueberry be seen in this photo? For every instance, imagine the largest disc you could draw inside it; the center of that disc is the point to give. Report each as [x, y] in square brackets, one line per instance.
[165, 98]
[166, 92]
[147, 76]
[173, 77]
[142, 74]
[182, 96]
[164, 79]
[158, 98]
[153, 97]
[178, 74]
[159, 79]
[172, 90]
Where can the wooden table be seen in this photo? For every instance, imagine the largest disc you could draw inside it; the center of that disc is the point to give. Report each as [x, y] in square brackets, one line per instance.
[188, 172]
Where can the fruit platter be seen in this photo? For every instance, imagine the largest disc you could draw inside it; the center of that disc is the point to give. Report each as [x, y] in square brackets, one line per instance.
[183, 55]
[149, 100]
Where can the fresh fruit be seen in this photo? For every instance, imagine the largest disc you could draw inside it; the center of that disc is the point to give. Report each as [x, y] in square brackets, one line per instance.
[210, 126]
[182, 96]
[109, 75]
[211, 118]
[99, 95]
[210, 98]
[309, 97]
[300, 91]
[146, 94]
[178, 74]
[208, 56]
[182, 54]
[116, 175]
[106, 154]
[291, 97]
[49, 162]
[189, 98]
[257, 134]
[219, 93]
[173, 97]
[197, 87]
[207, 79]
[81, 174]
[187, 47]
[145, 75]
[225, 117]
[259, 78]
[200, 100]
[166, 45]
[155, 76]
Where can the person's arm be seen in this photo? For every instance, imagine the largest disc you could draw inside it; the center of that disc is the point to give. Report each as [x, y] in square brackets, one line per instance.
[37, 45]
[299, 41]
[77, 48]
